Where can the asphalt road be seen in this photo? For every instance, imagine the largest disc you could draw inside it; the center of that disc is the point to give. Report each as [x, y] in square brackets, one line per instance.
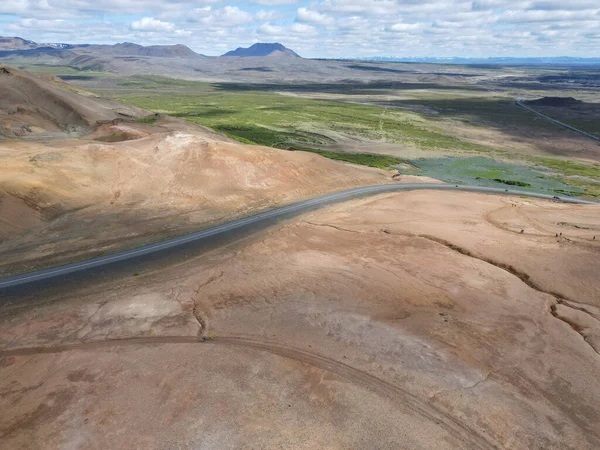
[250, 224]
[558, 122]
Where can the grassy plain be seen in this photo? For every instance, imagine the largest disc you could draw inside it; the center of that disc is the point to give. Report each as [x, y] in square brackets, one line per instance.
[391, 123]
[267, 118]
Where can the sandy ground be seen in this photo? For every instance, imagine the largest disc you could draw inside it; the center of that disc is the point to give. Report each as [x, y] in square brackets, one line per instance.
[408, 320]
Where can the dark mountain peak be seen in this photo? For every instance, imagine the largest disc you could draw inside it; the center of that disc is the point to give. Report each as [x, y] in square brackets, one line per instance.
[263, 49]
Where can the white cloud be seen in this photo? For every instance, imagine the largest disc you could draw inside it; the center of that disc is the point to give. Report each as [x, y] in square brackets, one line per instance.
[302, 28]
[275, 2]
[14, 7]
[55, 25]
[182, 33]
[517, 16]
[268, 29]
[265, 16]
[403, 27]
[368, 7]
[151, 24]
[307, 15]
[225, 17]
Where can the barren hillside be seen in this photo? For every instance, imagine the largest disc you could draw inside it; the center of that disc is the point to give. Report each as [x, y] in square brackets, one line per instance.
[36, 106]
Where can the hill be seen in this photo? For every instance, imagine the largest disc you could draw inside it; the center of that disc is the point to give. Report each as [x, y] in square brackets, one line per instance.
[16, 43]
[555, 101]
[146, 179]
[33, 106]
[262, 49]
[131, 49]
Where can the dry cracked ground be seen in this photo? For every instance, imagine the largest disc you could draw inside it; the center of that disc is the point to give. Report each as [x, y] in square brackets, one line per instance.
[408, 320]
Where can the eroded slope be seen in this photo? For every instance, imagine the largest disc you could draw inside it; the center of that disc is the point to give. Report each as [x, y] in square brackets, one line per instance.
[33, 106]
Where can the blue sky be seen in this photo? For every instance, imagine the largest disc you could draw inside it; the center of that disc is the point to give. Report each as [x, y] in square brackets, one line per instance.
[322, 28]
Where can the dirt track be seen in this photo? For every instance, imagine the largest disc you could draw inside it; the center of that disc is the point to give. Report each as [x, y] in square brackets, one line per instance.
[458, 429]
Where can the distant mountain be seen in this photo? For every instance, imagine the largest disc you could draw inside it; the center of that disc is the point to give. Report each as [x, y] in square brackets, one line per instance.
[22, 47]
[38, 52]
[560, 60]
[16, 43]
[130, 49]
[262, 49]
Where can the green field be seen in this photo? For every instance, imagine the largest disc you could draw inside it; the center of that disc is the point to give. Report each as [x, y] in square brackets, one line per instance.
[283, 121]
[61, 71]
[480, 171]
[293, 122]
[363, 159]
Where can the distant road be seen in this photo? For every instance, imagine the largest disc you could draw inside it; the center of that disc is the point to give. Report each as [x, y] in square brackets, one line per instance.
[61, 272]
[557, 122]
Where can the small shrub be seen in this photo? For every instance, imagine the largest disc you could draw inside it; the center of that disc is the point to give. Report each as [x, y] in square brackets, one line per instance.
[512, 182]
[151, 120]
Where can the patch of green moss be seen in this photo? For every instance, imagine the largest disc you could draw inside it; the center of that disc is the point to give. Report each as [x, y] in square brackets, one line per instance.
[512, 182]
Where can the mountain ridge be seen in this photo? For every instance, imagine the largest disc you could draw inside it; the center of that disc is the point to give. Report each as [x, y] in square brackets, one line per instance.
[263, 49]
[31, 48]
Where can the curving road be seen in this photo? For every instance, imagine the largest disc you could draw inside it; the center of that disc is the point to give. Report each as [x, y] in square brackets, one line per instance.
[557, 122]
[61, 272]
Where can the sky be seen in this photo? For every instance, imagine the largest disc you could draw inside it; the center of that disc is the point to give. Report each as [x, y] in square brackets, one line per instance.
[321, 28]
